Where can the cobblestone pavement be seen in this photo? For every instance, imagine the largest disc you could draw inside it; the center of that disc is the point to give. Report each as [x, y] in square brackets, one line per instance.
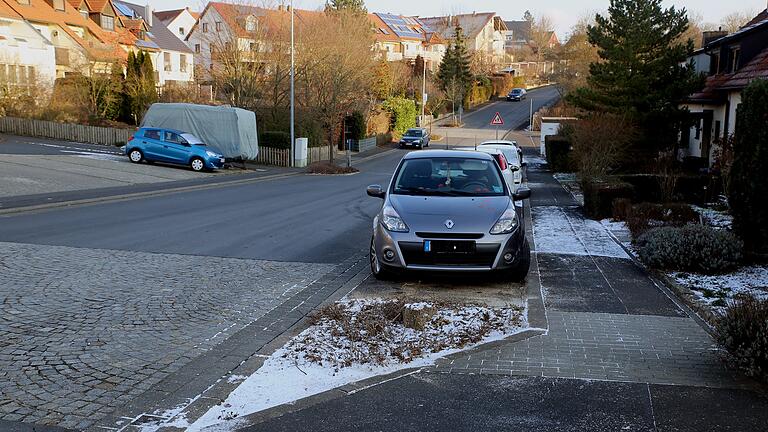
[83, 331]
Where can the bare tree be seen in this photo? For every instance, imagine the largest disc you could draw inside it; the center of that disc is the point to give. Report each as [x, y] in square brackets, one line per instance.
[578, 54]
[734, 21]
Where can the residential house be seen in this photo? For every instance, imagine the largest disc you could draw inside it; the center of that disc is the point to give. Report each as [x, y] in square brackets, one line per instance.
[483, 31]
[26, 57]
[518, 35]
[172, 59]
[730, 63]
[224, 26]
[405, 38]
[78, 41]
[178, 21]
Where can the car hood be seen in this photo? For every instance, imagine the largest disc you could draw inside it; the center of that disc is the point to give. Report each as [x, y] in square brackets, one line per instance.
[209, 148]
[469, 215]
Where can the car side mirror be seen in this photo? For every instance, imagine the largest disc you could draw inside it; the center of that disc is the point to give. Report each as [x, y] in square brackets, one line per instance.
[376, 191]
[522, 194]
[514, 168]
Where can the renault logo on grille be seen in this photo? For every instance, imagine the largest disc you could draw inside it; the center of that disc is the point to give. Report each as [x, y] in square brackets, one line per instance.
[449, 224]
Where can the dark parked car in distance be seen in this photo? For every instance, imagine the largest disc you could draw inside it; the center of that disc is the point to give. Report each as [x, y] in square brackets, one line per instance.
[415, 137]
[173, 147]
[517, 95]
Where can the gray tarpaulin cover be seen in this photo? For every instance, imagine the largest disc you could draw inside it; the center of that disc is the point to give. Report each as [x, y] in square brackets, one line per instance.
[231, 130]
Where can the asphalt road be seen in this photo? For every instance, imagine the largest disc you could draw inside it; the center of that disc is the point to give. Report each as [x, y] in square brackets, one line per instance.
[304, 218]
[514, 114]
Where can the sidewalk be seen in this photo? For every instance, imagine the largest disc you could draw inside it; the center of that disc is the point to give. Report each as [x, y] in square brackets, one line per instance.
[618, 354]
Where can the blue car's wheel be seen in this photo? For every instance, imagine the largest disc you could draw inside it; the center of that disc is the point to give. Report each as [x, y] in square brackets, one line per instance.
[197, 164]
[136, 156]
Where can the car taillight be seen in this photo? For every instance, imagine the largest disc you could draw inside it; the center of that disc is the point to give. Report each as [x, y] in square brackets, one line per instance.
[502, 162]
[130, 138]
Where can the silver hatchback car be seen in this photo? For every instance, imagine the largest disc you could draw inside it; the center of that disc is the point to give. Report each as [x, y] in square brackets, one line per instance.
[449, 211]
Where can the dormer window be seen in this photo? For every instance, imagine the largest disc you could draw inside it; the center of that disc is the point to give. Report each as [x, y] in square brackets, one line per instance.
[23, 2]
[84, 14]
[108, 23]
[735, 58]
[251, 24]
[58, 5]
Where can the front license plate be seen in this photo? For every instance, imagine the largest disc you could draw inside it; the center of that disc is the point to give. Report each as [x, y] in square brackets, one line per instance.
[449, 247]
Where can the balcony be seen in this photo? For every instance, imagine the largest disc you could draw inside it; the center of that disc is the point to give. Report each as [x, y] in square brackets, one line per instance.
[394, 56]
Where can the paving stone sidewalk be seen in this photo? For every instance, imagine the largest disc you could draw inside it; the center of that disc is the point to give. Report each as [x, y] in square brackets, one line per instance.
[84, 331]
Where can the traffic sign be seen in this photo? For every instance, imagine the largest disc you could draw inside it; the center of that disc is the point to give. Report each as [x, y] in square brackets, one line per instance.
[497, 120]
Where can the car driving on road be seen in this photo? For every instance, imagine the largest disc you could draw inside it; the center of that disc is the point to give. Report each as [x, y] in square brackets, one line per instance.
[449, 211]
[517, 95]
[174, 147]
[416, 137]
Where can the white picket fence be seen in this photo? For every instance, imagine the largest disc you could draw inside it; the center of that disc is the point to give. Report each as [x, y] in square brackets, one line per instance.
[282, 157]
[64, 131]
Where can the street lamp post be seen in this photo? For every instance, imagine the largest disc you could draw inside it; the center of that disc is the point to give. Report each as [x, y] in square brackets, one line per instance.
[292, 152]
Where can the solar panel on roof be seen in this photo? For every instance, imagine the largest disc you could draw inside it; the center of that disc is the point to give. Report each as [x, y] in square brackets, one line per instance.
[123, 9]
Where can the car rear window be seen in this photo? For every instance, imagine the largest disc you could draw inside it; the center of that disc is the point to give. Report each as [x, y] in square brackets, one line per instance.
[452, 176]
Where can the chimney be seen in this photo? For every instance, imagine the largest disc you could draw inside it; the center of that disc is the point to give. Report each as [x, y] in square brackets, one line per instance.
[280, 7]
[148, 12]
[711, 36]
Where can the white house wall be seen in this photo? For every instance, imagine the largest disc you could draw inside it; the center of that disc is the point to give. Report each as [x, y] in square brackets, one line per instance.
[78, 61]
[175, 74]
[205, 40]
[32, 50]
[185, 21]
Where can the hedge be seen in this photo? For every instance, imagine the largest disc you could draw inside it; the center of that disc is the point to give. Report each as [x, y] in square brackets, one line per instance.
[696, 248]
[402, 112]
[600, 195]
[558, 150]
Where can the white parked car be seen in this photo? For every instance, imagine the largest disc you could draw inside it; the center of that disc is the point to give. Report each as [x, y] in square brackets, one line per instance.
[507, 143]
[508, 162]
[514, 159]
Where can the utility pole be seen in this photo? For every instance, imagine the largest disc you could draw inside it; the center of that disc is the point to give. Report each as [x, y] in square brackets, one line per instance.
[292, 152]
[423, 88]
[530, 125]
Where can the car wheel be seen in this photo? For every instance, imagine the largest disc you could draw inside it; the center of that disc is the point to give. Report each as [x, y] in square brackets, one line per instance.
[136, 156]
[197, 164]
[378, 270]
[519, 272]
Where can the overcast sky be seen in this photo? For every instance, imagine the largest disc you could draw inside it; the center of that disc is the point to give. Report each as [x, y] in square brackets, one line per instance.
[564, 12]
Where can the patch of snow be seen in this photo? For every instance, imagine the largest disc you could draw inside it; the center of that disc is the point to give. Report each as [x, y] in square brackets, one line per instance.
[288, 375]
[570, 182]
[714, 218]
[564, 231]
[236, 378]
[717, 290]
[419, 306]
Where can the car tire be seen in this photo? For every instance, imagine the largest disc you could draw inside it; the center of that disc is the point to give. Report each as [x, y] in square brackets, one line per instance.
[136, 156]
[519, 272]
[197, 164]
[378, 270]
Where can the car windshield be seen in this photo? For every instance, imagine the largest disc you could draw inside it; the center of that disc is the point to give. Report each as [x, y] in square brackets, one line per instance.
[449, 176]
[192, 139]
[413, 133]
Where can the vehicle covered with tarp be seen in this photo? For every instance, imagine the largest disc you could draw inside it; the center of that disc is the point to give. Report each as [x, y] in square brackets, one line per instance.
[231, 130]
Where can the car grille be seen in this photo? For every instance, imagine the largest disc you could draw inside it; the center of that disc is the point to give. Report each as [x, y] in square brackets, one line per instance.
[453, 236]
[413, 254]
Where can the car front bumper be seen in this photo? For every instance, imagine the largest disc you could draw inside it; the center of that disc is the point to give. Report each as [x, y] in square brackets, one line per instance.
[409, 254]
[410, 144]
[214, 163]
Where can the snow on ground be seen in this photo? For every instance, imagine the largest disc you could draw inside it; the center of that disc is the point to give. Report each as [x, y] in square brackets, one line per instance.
[570, 183]
[565, 231]
[714, 218]
[717, 290]
[322, 357]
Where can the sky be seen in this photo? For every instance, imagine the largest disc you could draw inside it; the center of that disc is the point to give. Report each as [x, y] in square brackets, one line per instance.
[564, 13]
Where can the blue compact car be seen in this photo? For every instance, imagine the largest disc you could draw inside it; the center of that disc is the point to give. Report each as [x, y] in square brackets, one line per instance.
[174, 147]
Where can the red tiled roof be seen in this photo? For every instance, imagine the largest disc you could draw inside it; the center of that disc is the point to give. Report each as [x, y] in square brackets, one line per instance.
[168, 15]
[378, 25]
[712, 90]
[272, 19]
[8, 12]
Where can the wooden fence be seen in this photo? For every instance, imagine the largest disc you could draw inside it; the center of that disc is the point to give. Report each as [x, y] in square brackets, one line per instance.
[64, 131]
[281, 157]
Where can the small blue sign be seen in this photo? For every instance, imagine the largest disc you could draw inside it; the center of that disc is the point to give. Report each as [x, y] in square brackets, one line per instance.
[427, 246]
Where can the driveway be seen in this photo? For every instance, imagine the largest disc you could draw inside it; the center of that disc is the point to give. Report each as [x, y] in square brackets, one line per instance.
[31, 166]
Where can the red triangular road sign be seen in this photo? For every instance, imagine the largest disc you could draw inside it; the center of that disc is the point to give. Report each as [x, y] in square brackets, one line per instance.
[497, 120]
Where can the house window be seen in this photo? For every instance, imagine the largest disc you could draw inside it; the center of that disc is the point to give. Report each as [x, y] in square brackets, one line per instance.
[108, 22]
[197, 48]
[218, 25]
[167, 62]
[58, 5]
[182, 62]
[718, 128]
[23, 2]
[735, 58]
[181, 31]
[251, 24]
[254, 47]
[698, 130]
[84, 14]
[205, 27]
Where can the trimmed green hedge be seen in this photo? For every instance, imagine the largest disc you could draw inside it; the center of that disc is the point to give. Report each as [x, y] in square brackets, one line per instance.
[696, 248]
[558, 150]
[403, 114]
[599, 197]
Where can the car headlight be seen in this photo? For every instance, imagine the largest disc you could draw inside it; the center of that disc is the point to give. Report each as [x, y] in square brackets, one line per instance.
[507, 223]
[392, 221]
[211, 154]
